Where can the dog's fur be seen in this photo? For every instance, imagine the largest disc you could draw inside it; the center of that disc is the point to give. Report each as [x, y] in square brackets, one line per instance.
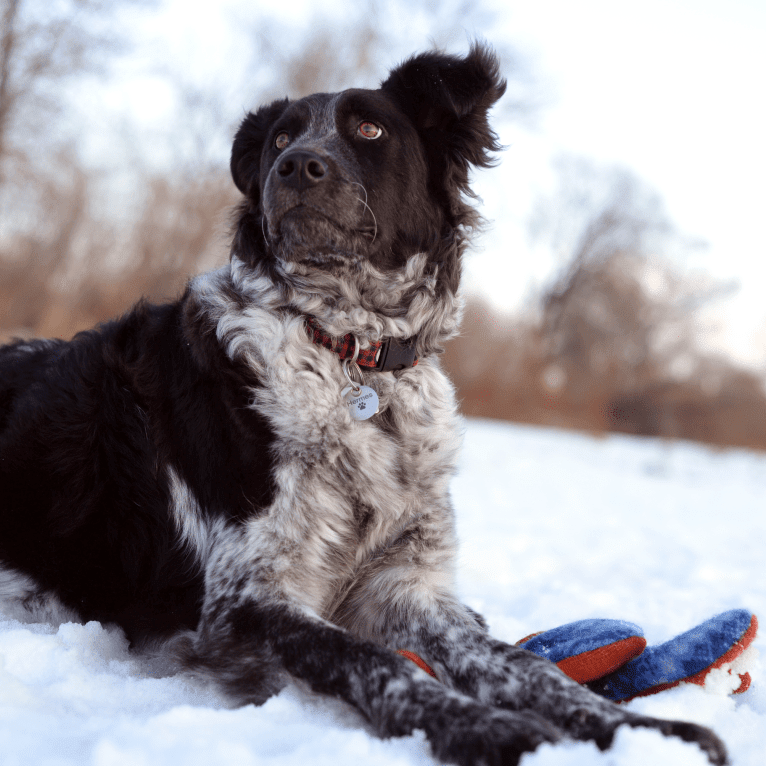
[191, 473]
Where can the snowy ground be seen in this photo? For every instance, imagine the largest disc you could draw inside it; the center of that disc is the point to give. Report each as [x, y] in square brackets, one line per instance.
[554, 526]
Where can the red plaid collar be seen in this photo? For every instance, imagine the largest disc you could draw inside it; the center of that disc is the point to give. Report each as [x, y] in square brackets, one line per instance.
[377, 357]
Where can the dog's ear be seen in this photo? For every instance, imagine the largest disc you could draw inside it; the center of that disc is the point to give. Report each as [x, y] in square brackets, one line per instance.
[248, 143]
[448, 98]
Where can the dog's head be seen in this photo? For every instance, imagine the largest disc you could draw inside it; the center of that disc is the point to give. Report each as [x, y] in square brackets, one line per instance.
[372, 176]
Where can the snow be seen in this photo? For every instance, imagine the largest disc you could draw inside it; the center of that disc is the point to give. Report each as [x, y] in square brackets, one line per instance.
[554, 527]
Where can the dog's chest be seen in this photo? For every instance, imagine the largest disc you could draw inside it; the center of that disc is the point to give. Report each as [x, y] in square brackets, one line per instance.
[346, 489]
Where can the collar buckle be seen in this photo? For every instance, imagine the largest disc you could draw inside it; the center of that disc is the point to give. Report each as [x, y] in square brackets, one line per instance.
[395, 354]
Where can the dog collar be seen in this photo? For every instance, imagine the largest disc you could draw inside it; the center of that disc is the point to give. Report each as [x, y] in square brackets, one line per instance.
[382, 356]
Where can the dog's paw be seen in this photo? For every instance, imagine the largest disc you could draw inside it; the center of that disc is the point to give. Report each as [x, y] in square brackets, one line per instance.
[586, 726]
[487, 737]
[707, 740]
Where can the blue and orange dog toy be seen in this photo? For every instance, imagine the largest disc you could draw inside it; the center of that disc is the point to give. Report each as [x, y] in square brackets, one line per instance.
[612, 658]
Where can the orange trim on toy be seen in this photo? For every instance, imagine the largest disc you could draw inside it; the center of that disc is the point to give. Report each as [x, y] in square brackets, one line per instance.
[597, 663]
[744, 683]
[419, 661]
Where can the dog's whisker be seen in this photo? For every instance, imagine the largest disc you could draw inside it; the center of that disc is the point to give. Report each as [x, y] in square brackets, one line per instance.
[364, 202]
[374, 220]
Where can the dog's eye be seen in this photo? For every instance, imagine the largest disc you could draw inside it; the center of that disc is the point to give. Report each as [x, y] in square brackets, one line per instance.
[370, 130]
[282, 140]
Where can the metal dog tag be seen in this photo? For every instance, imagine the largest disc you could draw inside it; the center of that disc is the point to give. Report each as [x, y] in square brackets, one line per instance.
[362, 405]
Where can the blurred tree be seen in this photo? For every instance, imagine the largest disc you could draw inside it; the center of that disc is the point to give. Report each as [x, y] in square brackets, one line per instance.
[617, 315]
[619, 323]
[45, 193]
[358, 48]
[612, 346]
[43, 46]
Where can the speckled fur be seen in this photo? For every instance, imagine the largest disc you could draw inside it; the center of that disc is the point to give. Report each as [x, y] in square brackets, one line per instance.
[192, 473]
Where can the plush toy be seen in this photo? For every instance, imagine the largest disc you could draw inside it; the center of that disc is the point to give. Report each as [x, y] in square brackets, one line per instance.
[612, 658]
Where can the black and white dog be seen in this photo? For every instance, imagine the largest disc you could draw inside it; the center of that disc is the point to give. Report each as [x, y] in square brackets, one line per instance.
[258, 473]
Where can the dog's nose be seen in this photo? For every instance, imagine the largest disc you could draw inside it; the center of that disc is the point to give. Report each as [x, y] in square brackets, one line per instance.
[301, 169]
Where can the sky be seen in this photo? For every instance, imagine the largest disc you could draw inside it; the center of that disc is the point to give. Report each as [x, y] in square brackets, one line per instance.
[672, 90]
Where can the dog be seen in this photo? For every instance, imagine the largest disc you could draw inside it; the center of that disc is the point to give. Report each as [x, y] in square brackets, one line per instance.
[257, 474]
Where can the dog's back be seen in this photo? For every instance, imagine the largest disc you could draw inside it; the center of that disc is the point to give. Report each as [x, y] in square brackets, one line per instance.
[82, 511]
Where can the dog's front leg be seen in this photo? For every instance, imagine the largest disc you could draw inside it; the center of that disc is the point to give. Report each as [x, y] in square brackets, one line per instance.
[404, 607]
[257, 632]
[252, 648]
